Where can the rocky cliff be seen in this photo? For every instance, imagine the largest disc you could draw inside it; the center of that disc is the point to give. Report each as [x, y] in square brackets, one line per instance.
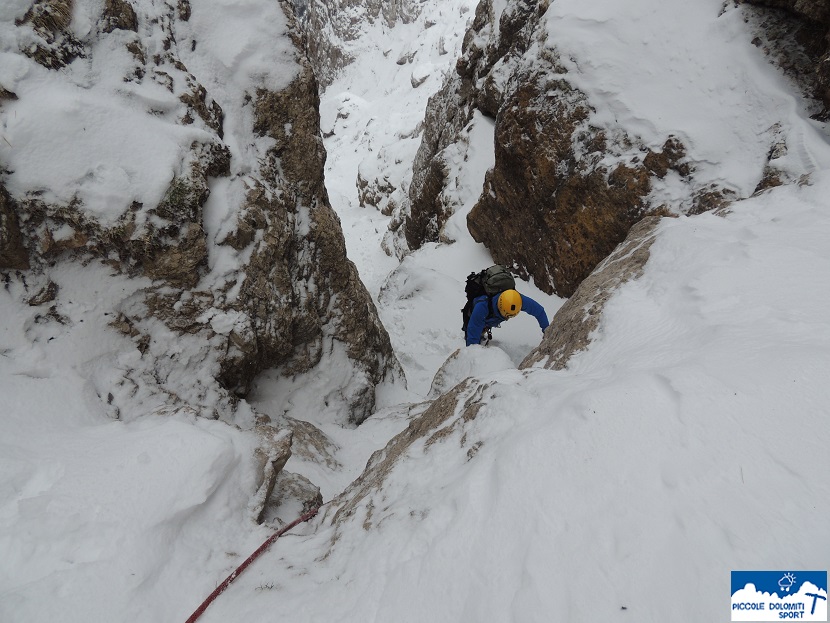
[197, 172]
[565, 188]
[562, 193]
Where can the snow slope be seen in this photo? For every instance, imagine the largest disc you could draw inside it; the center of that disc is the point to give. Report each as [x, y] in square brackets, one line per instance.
[687, 69]
[99, 517]
[689, 440]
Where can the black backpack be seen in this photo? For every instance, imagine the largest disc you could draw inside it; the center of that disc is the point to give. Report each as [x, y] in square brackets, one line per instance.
[490, 281]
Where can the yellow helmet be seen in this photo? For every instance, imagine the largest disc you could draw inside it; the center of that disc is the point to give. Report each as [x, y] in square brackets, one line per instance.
[510, 303]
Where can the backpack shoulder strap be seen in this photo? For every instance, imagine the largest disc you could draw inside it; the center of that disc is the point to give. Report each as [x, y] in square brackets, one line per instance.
[489, 300]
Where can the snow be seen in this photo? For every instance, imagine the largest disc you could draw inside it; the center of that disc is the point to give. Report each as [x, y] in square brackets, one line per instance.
[70, 127]
[688, 440]
[688, 69]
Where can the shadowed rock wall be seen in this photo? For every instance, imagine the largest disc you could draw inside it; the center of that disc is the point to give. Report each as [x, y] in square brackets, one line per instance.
[808, 27]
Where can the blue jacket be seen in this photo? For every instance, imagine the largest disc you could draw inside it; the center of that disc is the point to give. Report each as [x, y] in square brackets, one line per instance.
[484, 318]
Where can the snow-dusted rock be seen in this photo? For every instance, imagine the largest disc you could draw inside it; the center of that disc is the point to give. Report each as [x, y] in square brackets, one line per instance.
[446, 115]
[119, 14]
[808, 23]
[199, 169]
[446, 415]
[52, 43]
[373, 190]
[271, 456]
[420, 74]
[293, 495]
[570, 178]
[571, 328]
[548, 177]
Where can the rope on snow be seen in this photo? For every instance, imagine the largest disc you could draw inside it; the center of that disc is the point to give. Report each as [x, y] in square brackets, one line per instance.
[259, 551]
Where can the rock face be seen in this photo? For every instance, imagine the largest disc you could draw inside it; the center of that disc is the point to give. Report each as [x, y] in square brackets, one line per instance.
[12, 253]
[580, 315]
[550, 213]
[326, 290]
[296, 295]
[562, 193]
[488, 54]
[806, 22]
[449, 412]
[447, 113]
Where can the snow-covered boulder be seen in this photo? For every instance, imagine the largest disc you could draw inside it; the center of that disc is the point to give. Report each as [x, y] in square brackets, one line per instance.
[464, 363]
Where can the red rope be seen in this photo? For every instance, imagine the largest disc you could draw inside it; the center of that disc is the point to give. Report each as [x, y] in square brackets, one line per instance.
[221, 588]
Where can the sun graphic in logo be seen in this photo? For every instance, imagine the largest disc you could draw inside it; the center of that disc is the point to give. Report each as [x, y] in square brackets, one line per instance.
[786, 583]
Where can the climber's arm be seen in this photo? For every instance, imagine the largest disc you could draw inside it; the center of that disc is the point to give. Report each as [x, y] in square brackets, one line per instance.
[536, 310]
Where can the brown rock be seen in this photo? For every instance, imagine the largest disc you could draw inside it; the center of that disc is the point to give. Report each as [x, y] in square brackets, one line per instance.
[211, 113]
[13, 254]
[446, 115]
[542, 210]
[50, 20]
[50, 246]
[669, 158]
[452, 108]
[45, 295]
[301, 287]
[178, 264]
[119, 15]
[572, 326]
[373, 191]
[292, 118]
[548, 208]
[712, 199]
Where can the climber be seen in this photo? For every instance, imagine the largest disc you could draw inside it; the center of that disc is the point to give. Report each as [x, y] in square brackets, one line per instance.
[490, 311]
